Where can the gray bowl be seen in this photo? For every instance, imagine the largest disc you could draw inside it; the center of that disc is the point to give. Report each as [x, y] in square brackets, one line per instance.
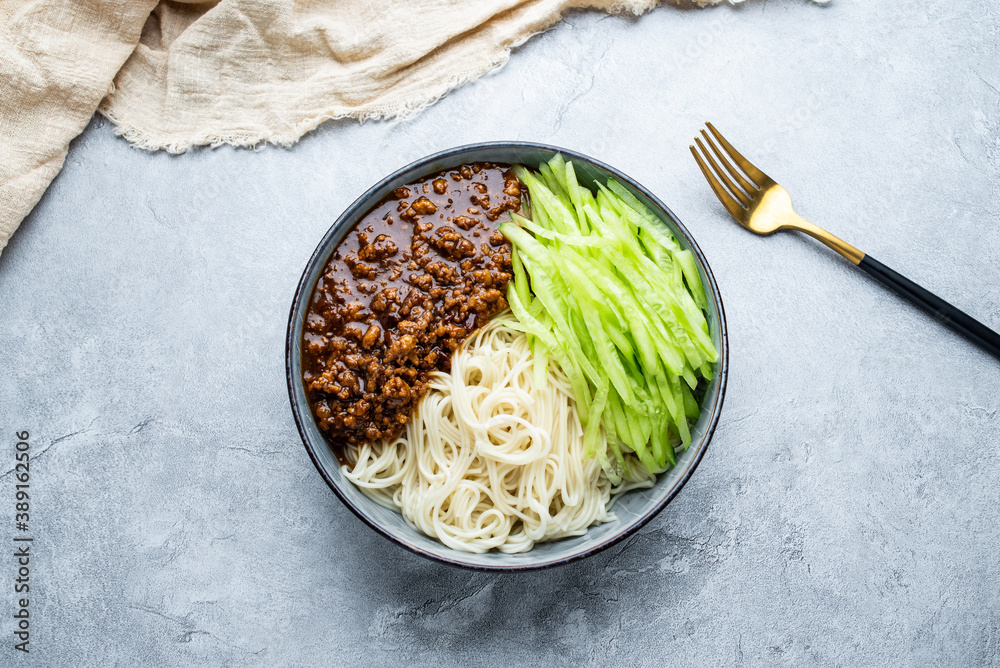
[635, 508]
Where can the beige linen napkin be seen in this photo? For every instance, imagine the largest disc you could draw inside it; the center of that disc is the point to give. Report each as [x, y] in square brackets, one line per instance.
[57, 60]
[246, 71]
[240, 72]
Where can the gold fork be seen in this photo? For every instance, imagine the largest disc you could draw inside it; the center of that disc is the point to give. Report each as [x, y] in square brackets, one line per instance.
[763, 207]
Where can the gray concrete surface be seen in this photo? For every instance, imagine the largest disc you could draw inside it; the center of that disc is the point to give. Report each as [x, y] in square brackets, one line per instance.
[845, 514]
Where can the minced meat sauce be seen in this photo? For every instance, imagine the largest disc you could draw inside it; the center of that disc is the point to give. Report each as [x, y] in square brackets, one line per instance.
[416, 276]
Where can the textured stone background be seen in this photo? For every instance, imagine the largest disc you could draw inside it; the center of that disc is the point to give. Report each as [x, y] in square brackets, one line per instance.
[845, 514]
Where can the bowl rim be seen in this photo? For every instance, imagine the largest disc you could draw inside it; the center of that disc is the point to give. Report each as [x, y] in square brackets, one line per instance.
[297, 407]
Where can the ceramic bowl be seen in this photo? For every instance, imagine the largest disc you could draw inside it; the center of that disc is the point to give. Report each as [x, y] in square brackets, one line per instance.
[635, 508]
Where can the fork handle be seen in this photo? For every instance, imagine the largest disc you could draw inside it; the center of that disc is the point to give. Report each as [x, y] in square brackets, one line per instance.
[937, 308]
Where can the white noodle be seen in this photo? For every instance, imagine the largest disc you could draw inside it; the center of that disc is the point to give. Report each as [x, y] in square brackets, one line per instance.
[489, 460]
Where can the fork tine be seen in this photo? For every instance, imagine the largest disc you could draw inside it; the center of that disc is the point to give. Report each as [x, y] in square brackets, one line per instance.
[746, 185]
[734, 209]
[758, 177]
[740, 195]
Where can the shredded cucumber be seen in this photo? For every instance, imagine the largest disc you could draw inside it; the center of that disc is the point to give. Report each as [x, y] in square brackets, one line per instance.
[602, 288]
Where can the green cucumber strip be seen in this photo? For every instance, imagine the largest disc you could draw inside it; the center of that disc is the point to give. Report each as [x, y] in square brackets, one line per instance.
[645, 424]
[572, 240]
[538, 194]
[679, 418]
[686, 259]
[558, 166]
[669, 457]
[540, 361]
[595, 411]
[676, 276]
[688, 375]
[621, 342]
[659, 444]
[557, 213]
[691, 408]
[576, 196]
[552, 182]
[520, 282]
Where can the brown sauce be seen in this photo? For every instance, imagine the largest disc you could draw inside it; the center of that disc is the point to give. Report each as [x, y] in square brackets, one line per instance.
[415, 276]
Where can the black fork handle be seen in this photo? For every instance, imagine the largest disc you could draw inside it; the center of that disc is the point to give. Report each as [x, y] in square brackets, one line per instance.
[937, 308]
